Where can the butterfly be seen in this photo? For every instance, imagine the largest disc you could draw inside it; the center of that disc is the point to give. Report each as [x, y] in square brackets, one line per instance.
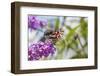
[53, 35]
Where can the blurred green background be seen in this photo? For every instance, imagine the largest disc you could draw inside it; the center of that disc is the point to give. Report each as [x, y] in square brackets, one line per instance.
[74, 44]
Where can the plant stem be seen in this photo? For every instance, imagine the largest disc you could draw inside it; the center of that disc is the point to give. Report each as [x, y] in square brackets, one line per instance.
[80, 42]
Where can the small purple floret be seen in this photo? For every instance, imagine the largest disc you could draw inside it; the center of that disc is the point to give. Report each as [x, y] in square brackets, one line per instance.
[40, 49]
[34, 23]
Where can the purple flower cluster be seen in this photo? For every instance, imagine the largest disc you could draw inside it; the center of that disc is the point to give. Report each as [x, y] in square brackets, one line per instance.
[35, 23]
[40, 49]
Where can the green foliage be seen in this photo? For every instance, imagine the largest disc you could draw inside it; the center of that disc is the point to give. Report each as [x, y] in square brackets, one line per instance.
[57, 22]
[72, 42]
[68, 27]
[78, 56]
[71, 33]
[83, 28]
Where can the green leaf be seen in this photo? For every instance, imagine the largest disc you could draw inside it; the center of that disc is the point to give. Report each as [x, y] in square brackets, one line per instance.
[83, 28]
[49, 26]
[57, 23]
[60, 45]
[68, 27]
[78, 57]
[72, 33]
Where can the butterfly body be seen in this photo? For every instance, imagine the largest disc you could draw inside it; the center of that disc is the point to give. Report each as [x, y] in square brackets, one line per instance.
[52, 35]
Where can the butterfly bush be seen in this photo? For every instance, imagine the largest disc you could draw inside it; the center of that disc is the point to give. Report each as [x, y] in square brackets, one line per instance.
[40, 49]
[34, 23]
